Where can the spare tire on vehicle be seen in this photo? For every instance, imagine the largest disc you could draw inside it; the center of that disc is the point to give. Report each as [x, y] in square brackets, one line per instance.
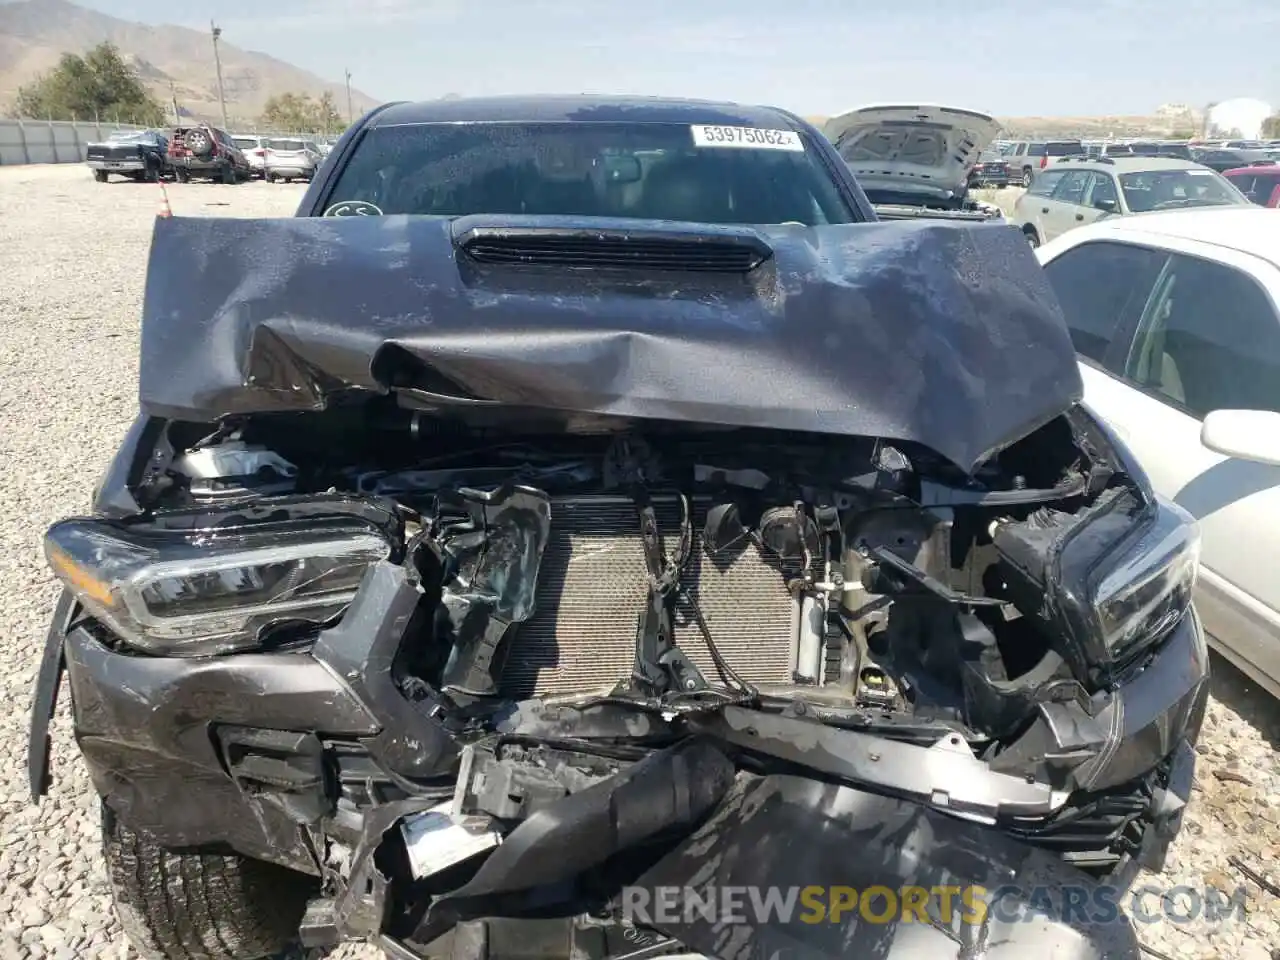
[198, 142]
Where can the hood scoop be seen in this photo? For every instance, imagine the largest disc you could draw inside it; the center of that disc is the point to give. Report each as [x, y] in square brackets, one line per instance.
[631, 248]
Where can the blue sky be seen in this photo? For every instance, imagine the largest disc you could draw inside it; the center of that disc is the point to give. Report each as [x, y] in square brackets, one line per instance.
[1011, 57]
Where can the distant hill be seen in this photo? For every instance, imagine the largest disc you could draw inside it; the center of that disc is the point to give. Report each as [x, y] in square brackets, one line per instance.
[35, 33]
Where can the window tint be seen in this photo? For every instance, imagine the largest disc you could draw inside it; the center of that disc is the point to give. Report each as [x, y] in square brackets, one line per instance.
[1046, 183]
[1065, 148]
[1036, 149]
[1071, 189]
[629, 170]
[1209, 340]
[1099, 284]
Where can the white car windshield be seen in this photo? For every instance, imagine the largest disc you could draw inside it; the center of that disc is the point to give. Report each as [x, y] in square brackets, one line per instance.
[1168, 189]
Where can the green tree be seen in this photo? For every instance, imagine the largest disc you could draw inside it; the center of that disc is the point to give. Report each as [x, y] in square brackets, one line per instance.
[1271, 127]
[99, 85]
[300, 113]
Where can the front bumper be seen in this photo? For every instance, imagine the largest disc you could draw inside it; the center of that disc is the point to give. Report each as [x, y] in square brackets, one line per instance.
[263, 751]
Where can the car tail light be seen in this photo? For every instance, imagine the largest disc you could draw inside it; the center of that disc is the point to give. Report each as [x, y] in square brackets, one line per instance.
[1275, 197]
[1044, 161]
[259, 152]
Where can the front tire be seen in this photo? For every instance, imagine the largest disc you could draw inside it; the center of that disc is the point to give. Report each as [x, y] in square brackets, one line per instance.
[1033, 237]
[1027, 178]
[178, 906]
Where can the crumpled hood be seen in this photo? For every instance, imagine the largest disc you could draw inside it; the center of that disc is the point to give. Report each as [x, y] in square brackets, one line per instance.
[946, 334]
[925, 148]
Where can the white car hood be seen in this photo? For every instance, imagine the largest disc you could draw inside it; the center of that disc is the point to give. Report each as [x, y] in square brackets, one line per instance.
[912, 148]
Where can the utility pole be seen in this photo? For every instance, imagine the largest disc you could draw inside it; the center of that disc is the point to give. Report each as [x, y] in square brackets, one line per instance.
[217, 64]
[173, 99]
[350, 117]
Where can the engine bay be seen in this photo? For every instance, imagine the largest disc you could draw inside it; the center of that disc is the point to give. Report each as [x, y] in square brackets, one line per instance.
[682, 568]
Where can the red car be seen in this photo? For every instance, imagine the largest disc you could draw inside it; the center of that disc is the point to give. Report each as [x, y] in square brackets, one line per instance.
[1261, 184]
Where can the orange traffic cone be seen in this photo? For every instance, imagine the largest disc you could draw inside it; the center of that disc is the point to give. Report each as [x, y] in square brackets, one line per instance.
[165, 210]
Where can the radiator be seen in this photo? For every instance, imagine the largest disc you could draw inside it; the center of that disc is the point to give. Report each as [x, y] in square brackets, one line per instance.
[592, 585]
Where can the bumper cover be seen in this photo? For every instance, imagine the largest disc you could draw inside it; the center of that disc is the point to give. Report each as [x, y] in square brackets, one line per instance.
[198, 163]
[155, 733]
[117, 166]
[784, 834]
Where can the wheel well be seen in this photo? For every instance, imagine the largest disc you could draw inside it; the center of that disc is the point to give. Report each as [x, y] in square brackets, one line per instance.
[1030, 230]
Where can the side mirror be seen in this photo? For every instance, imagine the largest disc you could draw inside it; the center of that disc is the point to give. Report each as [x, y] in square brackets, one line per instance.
[1243, 434]
[1106, 205]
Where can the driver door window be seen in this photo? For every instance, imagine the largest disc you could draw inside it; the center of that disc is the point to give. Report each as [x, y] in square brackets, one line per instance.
[1102, 195]
[1208, 339]
[1072, 188]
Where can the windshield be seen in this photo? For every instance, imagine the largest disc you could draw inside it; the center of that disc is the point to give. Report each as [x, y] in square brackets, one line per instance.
[130, 136]
[1166, 189]
[651, 171]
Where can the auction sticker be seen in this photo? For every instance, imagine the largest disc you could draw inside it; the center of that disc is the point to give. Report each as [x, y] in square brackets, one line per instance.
[748, 138]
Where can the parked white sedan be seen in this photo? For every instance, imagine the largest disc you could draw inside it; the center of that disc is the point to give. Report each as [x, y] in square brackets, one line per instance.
[1176, 318]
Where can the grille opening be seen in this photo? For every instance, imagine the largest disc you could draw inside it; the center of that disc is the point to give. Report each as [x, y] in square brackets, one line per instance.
[617, 250]
[591, 588]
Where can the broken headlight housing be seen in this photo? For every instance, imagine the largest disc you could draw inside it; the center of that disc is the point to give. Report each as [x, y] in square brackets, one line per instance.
[1115, 582]
[203, 590]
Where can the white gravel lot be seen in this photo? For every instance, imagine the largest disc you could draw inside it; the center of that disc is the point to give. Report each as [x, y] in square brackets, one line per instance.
[72, 260]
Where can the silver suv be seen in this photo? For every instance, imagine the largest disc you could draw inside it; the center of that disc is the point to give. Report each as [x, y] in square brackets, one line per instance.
[1028, 158]
[1080, 191]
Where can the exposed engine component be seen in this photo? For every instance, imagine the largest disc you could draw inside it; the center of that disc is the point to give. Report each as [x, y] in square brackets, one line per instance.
[677, 568]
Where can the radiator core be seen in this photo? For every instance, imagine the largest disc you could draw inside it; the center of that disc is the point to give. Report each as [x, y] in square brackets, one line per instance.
[592, 585]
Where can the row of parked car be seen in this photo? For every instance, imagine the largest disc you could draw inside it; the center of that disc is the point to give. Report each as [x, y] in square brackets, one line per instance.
[1020, 162]
[202, 151]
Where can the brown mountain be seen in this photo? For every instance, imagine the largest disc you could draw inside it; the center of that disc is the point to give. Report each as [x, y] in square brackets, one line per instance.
[35, 33]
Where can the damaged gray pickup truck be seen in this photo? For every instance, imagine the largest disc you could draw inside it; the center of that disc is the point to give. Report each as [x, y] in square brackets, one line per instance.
[565, 516]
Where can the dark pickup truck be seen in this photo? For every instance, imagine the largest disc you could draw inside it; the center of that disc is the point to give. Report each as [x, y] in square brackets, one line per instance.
[136, 154]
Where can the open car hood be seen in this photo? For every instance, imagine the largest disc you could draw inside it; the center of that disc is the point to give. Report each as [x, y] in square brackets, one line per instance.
[925, 149]
[943, 334]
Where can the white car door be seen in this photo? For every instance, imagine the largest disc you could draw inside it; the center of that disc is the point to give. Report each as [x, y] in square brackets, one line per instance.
[1205, 336]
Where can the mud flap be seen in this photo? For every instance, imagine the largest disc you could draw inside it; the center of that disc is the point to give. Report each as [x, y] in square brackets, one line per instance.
[44, 699]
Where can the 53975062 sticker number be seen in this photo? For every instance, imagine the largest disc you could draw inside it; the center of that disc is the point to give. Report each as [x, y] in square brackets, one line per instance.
[749, 138]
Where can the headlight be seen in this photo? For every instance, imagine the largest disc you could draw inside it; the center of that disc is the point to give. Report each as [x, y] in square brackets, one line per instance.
[1145, 590]
[190, 592]
[1118, 594]
[1110, 583]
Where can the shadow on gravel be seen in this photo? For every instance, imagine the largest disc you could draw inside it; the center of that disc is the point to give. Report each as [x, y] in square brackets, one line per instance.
[1242, 696]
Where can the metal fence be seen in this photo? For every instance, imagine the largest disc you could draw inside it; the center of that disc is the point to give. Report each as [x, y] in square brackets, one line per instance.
[50, 141]
[63, 141]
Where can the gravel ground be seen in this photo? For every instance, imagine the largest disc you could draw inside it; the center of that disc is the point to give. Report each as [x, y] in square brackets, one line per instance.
[72, 260]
